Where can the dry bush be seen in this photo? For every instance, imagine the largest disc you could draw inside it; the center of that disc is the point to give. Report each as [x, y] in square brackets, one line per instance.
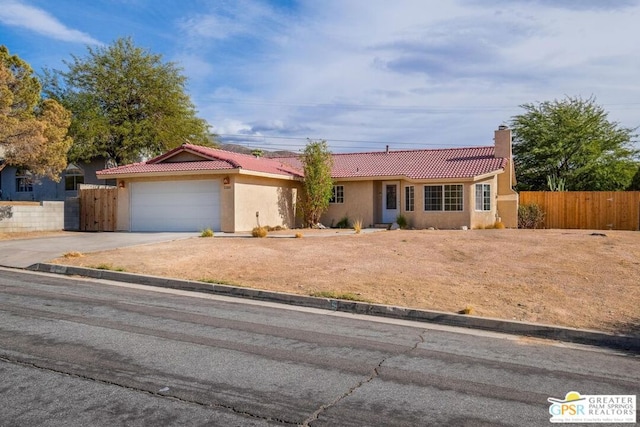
[259, 232]
[357, 226]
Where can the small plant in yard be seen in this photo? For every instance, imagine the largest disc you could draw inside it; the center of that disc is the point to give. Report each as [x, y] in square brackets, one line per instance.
[344, 222]
[402, 222]
[498, 225]
[299, 235]
[357, 226]
[259, 232]
[349, 296]
[207, 232]
[467, 310]
[530, 216]
[72, 254]
[276, 228]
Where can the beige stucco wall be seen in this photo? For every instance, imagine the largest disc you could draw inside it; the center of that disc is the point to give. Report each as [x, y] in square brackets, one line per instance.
[363, 200]
[274, 200]
[421, 219]
[358, 204]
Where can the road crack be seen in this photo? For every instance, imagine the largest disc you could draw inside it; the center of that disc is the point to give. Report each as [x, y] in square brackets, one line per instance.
[4, 358]
[374, 374]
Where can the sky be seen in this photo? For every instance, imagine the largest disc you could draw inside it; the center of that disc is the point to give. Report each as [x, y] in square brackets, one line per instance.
[360, 74]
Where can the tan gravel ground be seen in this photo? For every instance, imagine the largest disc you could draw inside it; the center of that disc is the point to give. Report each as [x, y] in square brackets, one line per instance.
[562, 277]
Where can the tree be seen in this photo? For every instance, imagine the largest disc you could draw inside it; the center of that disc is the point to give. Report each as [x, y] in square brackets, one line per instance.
[33, 132]
[572, 141]
[126, 103]
[317, 185]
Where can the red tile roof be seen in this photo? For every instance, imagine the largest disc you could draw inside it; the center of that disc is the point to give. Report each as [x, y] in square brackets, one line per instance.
[449, 163]
[217, 160]
[414, 164]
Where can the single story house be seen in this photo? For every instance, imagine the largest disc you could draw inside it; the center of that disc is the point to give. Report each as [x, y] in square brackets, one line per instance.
[191, 188]
[19, 184]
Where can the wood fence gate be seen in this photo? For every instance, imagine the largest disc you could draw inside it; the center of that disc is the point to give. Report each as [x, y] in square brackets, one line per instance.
[98, 206]
[591, 210]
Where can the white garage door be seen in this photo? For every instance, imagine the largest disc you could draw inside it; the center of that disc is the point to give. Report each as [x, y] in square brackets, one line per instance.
[175, 205]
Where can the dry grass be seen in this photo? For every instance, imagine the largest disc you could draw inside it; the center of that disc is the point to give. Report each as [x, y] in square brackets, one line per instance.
[563, 277]
[30, 234]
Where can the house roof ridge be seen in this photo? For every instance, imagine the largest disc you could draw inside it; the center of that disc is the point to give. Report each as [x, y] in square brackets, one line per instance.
[411, 150]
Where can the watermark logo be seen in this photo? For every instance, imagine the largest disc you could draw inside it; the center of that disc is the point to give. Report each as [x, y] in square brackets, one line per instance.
[577, 408]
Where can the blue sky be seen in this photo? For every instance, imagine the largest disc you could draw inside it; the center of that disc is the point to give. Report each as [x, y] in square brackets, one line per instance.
[361, 74]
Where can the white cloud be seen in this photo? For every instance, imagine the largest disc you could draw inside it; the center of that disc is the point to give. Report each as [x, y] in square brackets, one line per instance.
[22, 15]
[422, 73]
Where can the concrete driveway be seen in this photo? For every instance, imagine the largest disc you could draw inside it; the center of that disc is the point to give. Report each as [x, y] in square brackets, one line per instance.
[25, 252]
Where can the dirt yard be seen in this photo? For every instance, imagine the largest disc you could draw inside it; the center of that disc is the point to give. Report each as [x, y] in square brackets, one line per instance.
[575, 278]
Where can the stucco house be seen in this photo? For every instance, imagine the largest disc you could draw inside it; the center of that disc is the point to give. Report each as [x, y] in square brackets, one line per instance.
[191, 188]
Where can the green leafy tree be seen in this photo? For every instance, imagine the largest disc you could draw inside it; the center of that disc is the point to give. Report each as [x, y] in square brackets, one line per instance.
[572, 141]
[126, 103]
[635, 182]
[33, 132]
[318, 185]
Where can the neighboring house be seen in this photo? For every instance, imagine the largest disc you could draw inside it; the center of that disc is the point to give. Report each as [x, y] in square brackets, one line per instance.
[191, 188]
[18, 184]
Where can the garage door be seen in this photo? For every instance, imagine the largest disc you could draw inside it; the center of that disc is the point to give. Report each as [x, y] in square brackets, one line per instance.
[175, 205]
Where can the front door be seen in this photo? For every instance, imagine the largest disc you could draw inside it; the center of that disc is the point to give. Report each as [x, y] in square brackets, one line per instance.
[390, 201]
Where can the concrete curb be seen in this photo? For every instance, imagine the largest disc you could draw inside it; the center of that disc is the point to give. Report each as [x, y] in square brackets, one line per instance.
[580, 336]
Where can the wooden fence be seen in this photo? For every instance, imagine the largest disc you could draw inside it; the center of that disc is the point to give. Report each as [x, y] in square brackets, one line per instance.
[98, 206]
[591, 210]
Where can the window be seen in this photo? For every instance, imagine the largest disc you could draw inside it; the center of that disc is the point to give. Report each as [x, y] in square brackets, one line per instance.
[24, 181]
[391, 196]
[483, 197]
[409, 198]
[443, 197]
[337, 194]
[73, 176]
[453, 197]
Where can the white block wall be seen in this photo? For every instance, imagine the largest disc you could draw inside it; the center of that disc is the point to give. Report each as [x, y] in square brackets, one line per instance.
[46, 216]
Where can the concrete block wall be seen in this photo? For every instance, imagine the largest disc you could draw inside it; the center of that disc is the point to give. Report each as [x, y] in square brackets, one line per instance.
[72, 214]
[43, 216]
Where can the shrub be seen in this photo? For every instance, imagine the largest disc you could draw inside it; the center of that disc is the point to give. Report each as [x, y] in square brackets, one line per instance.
[467, 310]
[498, 225]
[401, 220]
[357, 226]
[298, 235]
[259, 232]
[344, 222]
[207, 232]
[530, 216]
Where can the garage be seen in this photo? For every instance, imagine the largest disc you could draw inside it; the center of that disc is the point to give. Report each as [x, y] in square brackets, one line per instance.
[175, 205]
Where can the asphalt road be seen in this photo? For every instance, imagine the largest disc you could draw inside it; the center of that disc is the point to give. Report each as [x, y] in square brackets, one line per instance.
[78, 352]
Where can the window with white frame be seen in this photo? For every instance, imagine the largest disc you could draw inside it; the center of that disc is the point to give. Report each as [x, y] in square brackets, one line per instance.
[24, 181]
[409, 198]
[447, 197]
[337, 194]
[483, 197]
[73, 177]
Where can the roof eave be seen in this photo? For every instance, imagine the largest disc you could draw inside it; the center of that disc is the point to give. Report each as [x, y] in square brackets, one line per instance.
[287, 177]
[166, 173]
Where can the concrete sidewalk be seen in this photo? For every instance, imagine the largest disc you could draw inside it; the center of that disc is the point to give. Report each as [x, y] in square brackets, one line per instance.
[25, 252]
